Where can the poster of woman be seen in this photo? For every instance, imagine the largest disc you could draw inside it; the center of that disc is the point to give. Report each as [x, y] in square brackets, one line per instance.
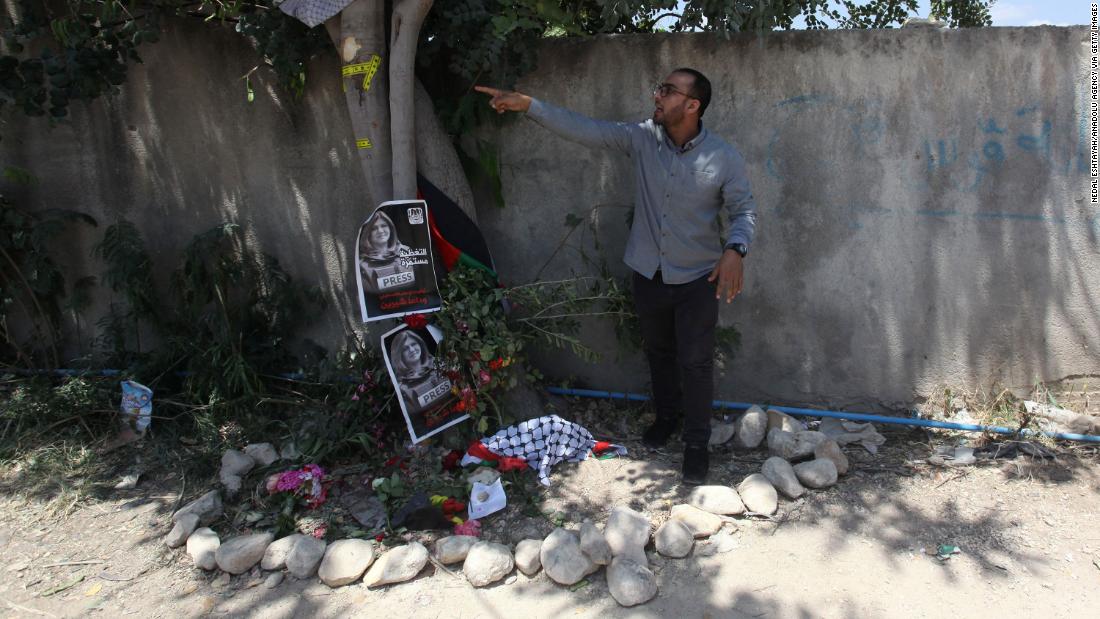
[423, 391]
[396, 271]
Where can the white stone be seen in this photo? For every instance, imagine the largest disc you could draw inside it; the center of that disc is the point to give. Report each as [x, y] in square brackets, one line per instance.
[594, 544]
[453, 548]
[487, 563]
[273, 580]
[527, 556]
[816, 473]
[483, 475]
[239, 554]
[345, 561]
[794, 446]
[751, 428]
[263, 454]
[783, 421]
[699, 522]
[781, 474]
[236, 463]
[201, 545]
[674, 539]
[627, 533]
[208, 507]
[758, 494]
[305, 556]
[721, 432]
[830, 450]
[562, 558]
[631, 583]
[184, 527]
[721, 500]
[275, 555]
[398, 565]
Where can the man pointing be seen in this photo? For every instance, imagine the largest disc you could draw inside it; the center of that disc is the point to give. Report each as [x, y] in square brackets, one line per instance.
[683, 264]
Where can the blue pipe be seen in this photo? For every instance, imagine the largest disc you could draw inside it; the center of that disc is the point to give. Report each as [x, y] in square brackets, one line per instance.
[809, 412]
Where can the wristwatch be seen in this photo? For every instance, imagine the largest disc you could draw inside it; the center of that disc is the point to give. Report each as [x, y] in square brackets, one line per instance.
[741, 249]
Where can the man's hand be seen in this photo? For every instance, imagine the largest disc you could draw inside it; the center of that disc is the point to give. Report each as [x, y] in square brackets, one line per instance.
[729, 273]
[505, 100]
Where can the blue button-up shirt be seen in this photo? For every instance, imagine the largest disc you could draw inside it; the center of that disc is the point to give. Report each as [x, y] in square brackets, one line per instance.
[679, 192]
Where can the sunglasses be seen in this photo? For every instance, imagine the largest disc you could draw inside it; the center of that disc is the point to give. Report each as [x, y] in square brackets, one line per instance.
[666, 89]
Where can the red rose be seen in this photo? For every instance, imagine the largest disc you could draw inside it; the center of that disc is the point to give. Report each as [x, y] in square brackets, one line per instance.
[511, 464]
[451, 460]
[496, 364]
[452, 507]
[416, 321]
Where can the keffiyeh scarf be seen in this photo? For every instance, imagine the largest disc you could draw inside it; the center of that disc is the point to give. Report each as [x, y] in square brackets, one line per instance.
[542, 442]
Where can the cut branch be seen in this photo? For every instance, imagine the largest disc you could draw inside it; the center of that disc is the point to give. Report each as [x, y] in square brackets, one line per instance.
[408, 16]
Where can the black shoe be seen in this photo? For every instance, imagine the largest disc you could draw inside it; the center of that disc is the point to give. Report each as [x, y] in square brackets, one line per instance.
[657, 434]
[696, 465]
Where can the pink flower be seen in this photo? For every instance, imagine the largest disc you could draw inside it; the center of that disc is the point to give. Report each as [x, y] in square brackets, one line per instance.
[272, 483]
[320, 531]
[484, 377]
[470, 527]
[355, 398]
[288, 480]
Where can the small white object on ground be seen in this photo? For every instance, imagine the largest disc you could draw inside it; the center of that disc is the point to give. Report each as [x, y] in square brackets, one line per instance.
[486, 499]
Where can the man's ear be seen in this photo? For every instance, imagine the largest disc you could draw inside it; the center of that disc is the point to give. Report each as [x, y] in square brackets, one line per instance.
[693, 106]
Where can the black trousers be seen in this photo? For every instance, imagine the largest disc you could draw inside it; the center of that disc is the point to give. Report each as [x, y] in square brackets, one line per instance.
[678, 322]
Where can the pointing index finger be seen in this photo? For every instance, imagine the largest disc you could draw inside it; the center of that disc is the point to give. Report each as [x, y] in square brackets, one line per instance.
[492, 92]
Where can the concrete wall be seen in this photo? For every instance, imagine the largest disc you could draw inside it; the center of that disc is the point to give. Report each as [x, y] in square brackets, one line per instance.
[923, 209]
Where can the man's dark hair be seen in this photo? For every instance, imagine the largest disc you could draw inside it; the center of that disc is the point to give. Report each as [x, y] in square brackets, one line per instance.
[700, 88]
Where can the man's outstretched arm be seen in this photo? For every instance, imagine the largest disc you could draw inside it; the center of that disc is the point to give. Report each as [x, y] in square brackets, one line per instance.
[570, 125]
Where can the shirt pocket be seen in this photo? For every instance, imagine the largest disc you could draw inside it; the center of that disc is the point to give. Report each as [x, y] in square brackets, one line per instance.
[702, 183]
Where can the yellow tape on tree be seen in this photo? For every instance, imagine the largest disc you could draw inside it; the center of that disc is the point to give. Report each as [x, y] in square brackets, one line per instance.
[366, 69]
[364, 143]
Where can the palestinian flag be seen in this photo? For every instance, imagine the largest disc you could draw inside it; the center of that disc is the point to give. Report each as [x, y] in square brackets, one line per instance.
[455, 237]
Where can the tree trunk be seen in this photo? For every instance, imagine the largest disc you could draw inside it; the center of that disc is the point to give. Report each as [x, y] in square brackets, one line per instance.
[408, 15]
[436, 157]
[362, 49]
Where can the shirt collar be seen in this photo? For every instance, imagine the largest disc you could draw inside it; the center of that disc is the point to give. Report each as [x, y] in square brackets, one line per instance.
[690, 144]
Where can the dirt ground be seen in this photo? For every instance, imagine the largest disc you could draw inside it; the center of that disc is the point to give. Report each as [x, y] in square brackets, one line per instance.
[1027, 530]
